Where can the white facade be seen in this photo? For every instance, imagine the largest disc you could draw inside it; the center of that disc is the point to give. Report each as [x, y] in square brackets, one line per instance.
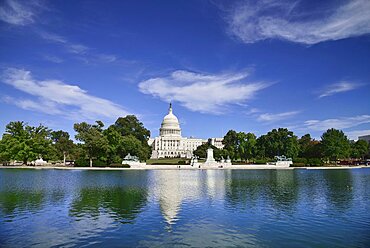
[170, 143]
[217, 142]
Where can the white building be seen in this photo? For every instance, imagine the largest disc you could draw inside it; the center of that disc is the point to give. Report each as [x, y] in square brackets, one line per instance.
[170, 143]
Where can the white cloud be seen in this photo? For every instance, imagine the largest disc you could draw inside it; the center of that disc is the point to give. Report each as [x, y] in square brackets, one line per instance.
[42, 106]
[70, 47]
[337, 123]
[52, 37]
[107, 57]
[83, 52]
[276, 117]
[338, 88]
[253, 21]
[206, 93]
[58, 98]
[77, 48]
[353, 135]
[53, 59]
[16, 13]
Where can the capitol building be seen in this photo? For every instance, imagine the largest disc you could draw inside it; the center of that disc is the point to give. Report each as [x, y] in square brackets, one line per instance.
[170, 143]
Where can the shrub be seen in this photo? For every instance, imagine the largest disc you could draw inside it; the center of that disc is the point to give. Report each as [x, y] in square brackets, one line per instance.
[81, 162]
[260, 161]
[298, 165]
[115, 165]
[314, 162]
[99, 163]
[300, 161]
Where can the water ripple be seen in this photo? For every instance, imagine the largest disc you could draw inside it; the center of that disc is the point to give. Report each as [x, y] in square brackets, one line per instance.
[205, 208]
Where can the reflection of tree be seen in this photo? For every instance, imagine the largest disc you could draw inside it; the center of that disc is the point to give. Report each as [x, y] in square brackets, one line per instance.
[12, 201]
[124, 202]
[283, 188]
[276, 186]
[339, 188]
[245, 188]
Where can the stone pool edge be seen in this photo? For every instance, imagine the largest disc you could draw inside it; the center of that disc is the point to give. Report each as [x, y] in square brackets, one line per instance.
[184, 167]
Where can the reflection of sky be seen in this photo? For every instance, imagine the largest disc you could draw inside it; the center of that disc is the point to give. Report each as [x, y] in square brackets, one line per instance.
[197, 208]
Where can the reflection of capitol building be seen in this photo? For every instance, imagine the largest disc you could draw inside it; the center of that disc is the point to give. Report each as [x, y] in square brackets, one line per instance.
[171, 144]
[173, 188]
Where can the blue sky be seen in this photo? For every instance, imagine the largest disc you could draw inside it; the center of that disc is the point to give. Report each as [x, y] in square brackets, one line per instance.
[244, 65]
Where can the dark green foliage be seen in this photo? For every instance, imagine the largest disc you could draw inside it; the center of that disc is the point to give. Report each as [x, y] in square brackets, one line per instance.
[299, 161]
[128, 135]
[260, 161]
[81, 162]
[278, 142]
[95, 143]
[298, 165]
[314, 162]
[130, 125]
[230, 144]
[62, 143]
[359, 149]
[25, 143]
[240, 145]
[201, 151]
[335, 144]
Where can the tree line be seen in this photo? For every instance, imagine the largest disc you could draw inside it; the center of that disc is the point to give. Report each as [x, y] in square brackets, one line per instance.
[104, 146]
[26, 143]
[247, 147]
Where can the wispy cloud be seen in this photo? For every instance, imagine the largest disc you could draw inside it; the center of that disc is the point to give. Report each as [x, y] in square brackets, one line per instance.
[339, 88]
[58, 98]
[277, 117]
[70, 47]
[353, 135]
[18, 13]
[52, 37]
[253, 21]
[337, 123]
[85, 53]
[53, 59]
[206, 93]
[41, 105]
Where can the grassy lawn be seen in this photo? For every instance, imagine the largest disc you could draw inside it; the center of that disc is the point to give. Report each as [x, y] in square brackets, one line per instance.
[169, 161]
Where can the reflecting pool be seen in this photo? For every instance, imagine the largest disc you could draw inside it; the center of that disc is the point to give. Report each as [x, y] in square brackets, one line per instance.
[195, 208]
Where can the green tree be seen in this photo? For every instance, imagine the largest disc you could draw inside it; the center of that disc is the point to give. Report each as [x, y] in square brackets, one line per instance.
[278, 142]
[261, 145]
[335, 144]
[359, 149]
[130, 144]
[201, 151]
[131, 125]
[62, 143]
[246, 145]
[115, 151]
[304, 144]
[95, 143]
[25, 143]
[230, 142]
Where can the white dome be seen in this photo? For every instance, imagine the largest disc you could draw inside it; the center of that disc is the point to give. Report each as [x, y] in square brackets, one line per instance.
[170, 124]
